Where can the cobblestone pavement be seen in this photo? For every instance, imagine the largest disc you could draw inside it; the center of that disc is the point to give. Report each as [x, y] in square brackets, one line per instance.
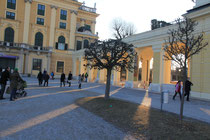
[49, 113]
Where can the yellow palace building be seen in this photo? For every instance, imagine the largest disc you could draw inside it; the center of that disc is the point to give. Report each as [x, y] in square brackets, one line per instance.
[37, 35]
[52, 34]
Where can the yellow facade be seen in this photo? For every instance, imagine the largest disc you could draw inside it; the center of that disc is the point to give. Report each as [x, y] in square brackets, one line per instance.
[55, 24]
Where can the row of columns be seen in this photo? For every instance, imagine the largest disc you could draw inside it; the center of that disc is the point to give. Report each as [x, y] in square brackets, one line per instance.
[100, 76]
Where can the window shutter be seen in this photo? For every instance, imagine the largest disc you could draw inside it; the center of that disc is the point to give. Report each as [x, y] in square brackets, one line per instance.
[56, 45]
[66, 46]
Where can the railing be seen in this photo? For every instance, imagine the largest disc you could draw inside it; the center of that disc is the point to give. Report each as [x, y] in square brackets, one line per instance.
[25, 46]
[88, 9]
[88, 33]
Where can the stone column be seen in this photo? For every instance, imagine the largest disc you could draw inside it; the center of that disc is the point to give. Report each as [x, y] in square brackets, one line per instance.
[102, 76]
[82, 42]
[26, 63]
[21, 61]
[158, 68]
[26, 20]
[48, 62]
[93, 23]
[52, 25]
[129, 82]
[116, 77]
[73, 24]
[158, 64]
[74, 61]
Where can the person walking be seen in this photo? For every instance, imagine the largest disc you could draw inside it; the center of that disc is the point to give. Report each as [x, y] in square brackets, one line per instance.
[46, 79]
[80, 81]
[4, 78]
[0, 72]
[52, 75]
[69, 78]
[188, 85]
[14, 79]
[43, 76]
[178, 90]
[82, 78]
[86, 76]
[62, 80]
[40, 78]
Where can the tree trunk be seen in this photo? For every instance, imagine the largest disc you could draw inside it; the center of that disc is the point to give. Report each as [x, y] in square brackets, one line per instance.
[183, 92]
[109, 71]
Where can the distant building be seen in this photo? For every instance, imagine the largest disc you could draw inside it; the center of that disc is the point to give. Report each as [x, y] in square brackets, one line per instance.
[158, 24]
[42, 34]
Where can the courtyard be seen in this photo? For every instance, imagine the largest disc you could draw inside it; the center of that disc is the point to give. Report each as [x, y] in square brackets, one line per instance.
[52, 113]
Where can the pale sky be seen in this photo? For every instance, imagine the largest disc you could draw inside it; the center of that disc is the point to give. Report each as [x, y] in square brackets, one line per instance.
[138, 12]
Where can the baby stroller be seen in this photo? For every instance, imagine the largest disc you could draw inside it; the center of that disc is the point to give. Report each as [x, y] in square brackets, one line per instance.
[20, 89]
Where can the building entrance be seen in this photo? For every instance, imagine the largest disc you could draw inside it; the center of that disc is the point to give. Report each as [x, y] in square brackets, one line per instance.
[7, 62]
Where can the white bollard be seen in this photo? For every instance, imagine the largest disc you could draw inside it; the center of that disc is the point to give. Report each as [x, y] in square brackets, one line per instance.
[165, 97]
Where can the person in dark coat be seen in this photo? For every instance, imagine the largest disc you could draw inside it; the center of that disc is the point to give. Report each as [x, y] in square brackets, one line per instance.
[62, 80]
[0, 72]
[4, 78]
[69, 78]
[82, 78]
[40, 78]
[46, 79]
[188, 85]
[80, 81]
[14, 79]
[44, 75]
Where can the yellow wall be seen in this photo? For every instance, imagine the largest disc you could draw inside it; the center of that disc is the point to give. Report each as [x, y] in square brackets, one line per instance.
[156, 67]
[200, 66]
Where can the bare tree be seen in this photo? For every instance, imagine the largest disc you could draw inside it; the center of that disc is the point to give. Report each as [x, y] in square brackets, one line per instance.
[181, 45]
[122, 29]
[110, 55]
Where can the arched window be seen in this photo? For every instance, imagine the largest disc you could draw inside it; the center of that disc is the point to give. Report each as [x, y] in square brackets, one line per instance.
[9, 35]
[86, 43]
[61, 39]
[39, 39]
[60, 45]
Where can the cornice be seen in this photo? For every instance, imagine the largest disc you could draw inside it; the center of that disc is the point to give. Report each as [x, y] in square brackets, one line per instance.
[53, 6]
[73, 11]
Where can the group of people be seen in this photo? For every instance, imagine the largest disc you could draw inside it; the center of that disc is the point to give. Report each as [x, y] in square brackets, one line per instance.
[63, 79]
[45, 77]
[14, 78]
[188, 85]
